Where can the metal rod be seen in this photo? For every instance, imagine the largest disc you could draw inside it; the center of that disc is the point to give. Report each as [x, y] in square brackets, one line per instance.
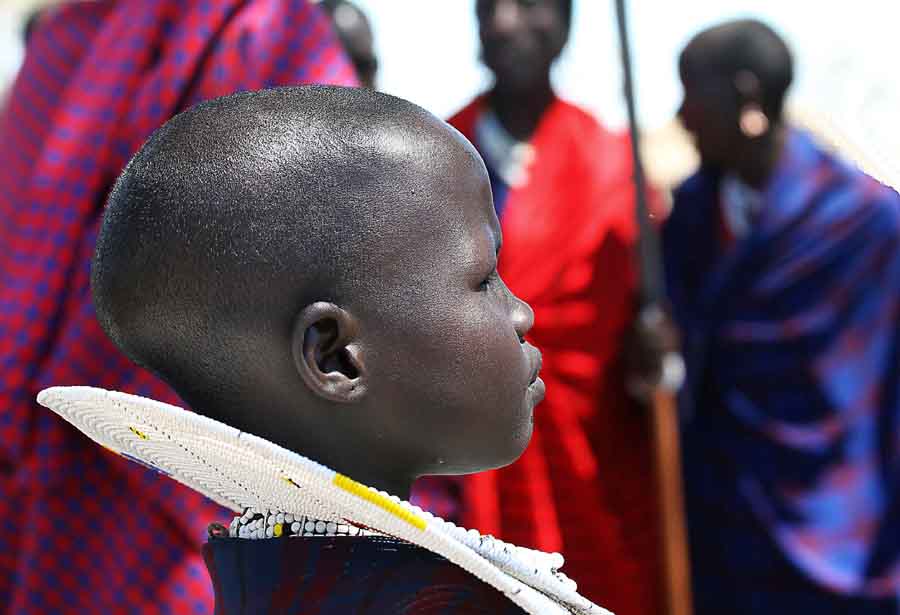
[649, 260]
[651, 292]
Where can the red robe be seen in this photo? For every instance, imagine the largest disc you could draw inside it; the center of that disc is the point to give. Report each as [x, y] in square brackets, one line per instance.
[585, 485]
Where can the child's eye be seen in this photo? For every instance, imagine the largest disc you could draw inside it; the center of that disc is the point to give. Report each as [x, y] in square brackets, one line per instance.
[486, 283]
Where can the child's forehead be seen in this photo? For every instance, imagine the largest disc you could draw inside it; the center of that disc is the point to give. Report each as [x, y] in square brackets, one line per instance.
[440, 217]
[426, 139]
[433, 164]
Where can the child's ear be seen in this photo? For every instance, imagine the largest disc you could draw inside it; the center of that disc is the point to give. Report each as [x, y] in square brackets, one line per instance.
[326, 353]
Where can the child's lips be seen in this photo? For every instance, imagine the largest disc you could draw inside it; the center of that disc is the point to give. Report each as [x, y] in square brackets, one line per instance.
[537, 390]
[536, 361]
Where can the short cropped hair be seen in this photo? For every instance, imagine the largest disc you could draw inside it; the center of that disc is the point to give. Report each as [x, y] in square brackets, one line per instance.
[239, 208]
[745, 44]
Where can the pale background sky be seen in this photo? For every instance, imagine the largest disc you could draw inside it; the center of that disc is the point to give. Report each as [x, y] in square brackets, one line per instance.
[846, 55]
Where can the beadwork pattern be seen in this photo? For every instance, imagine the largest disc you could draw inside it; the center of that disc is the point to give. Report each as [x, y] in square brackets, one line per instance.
[254, 525]
[246, 473]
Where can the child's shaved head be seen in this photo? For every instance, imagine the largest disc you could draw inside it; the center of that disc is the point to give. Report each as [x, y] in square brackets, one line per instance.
[302, 264]
[254, 198]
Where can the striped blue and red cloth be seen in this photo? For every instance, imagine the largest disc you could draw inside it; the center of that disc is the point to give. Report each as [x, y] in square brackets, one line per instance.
[359, 575]
[80, 529]
[792, 426]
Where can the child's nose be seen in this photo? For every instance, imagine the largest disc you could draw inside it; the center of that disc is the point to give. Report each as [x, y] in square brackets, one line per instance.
[522, 316]
[520, 312]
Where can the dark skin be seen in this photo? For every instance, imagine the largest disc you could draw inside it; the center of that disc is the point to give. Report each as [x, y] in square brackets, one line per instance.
[328, 284]
[520, 40]
[711, 111]
[355, 33]
[430, 373]
[716, 99]
[31, 22]
[717, 102]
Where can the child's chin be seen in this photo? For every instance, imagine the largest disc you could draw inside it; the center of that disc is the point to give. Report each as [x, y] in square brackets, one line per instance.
[518, 443]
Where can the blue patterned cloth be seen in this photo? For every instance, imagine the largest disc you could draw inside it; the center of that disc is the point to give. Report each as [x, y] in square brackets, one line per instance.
[347, 575]
[792, 406]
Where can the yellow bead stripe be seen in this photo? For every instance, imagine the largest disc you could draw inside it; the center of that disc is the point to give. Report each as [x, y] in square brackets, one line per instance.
[139, 434]
[361, 491]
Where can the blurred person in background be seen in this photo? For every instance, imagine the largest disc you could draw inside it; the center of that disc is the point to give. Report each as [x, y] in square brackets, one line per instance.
[29, 23]
[82, 530]
[562, 187]
[355, 33]
[783, 268]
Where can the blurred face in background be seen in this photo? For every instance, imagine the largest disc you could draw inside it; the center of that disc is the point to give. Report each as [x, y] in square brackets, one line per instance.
[355, 33]
[520, 39]
[710, 112]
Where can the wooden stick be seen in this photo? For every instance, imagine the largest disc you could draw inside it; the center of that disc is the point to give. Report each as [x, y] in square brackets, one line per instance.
[673, 528]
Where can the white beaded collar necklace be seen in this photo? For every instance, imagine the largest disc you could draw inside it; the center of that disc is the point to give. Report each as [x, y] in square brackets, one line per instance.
[241, 471]
[253, 525]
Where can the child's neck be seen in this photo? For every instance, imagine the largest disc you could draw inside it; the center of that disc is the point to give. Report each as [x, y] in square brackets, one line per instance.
[374, 477]
[362, 465]
[372, 468]
[324, 442]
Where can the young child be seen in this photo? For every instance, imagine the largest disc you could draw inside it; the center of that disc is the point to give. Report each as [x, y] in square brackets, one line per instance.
[316, 266]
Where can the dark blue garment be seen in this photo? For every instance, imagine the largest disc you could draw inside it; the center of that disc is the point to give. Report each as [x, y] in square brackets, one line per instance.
[343, 575]
[792, 405]
[499, 188]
